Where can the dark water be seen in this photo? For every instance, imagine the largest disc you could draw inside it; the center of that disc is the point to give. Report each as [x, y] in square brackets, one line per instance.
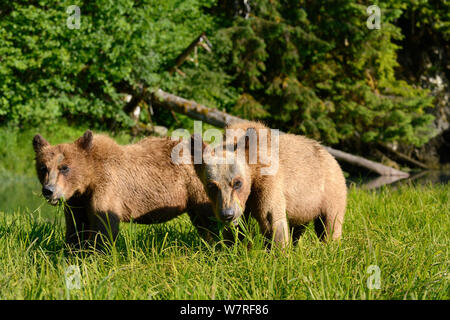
[415, 179]
[23, 193]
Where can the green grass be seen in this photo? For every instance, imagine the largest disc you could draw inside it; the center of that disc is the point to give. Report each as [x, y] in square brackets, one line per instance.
[404, 231]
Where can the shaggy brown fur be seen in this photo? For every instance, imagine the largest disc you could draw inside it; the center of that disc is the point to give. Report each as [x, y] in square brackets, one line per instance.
[308, 185]
[104, 183]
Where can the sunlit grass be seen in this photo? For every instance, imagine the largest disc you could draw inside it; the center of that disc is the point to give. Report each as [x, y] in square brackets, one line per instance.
[404, 232]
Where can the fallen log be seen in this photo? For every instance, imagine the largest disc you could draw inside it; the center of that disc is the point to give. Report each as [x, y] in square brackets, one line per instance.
[373, 166]
[404, 158]
[221, 119]
[381, 181]
[192, 109]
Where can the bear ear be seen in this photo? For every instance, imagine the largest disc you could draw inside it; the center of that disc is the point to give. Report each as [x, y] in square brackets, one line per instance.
[85, 142]
[198, 146]
[39, 142]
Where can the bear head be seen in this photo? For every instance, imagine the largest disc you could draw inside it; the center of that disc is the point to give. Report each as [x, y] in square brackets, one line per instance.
[225, 174]
[64, 170]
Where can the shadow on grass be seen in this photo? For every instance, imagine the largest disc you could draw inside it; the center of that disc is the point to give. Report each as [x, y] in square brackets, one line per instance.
[176, 233]
[36, 234]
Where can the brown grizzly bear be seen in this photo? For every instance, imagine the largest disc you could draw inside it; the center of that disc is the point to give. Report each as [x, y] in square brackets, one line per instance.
[306, 183]
[104, 183]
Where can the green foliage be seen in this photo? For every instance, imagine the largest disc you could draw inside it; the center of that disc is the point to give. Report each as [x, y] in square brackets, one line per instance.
[307, 67]
[426, 43]
[49, 71]
[433, 14]
[314, 68]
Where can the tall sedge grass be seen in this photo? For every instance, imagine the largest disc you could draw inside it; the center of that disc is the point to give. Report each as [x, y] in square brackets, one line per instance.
[404, 231]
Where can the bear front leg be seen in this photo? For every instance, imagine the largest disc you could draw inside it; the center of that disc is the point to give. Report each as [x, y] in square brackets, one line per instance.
[328, 227]
[104, 228]
[205, 225]
[274, 225]
[281, 231]
[270, 212]
[76, 224]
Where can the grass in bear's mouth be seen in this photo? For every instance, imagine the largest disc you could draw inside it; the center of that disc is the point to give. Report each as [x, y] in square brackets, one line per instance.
[404, 232]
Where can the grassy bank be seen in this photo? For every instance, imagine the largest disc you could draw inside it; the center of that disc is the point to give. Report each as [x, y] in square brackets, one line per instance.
[405, 232]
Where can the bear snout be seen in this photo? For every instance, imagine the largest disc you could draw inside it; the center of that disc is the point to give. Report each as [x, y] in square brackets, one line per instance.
[227, 214]
[47, 191]
[50, 192]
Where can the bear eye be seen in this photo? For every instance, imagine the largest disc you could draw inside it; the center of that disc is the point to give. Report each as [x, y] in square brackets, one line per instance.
[43, 169]
[237, 184]
[64, 169]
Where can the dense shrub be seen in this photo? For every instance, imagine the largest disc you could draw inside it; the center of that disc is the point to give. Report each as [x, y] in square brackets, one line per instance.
[49, 71]
[314, 67]
[310, 67]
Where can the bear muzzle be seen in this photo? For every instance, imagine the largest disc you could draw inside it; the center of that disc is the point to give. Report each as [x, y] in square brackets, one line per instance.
[49, 191]
[227, 214]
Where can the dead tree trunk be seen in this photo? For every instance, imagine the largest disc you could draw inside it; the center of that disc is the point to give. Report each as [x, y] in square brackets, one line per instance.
[193, 109]
[221, 119]
[404, 158]
[201, 40]
[373, 166]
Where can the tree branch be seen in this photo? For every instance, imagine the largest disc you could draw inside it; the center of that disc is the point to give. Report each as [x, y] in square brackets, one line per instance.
[222, 119]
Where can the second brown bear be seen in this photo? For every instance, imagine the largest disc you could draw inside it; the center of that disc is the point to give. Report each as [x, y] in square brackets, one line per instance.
[306, 185]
